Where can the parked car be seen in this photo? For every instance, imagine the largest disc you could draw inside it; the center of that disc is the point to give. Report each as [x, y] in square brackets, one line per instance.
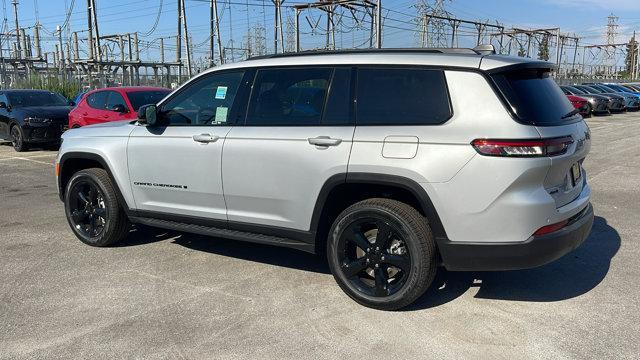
[599, 103]
[623, 90]
[631, 100]
[29, 117]
[432, 167]
[615, 102]
[581, 104]
[114, 103]
[632, 87]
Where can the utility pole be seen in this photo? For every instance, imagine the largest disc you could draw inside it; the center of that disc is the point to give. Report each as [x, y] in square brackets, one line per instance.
[217, 23]
[89, 30]
[61, 55]
[212, 17]
[277, 28]
[379, 24]
[179, 42]
[186, 37]
[15, 13]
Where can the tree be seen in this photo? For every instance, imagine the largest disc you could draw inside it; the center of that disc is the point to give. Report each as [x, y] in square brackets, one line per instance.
[631, 60]
[543, 49]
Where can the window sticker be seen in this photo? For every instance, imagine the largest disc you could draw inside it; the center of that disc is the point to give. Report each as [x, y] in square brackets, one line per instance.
[221, 114]
[221, 92]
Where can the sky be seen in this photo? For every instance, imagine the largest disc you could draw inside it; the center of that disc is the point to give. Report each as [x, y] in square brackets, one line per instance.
[586, 18]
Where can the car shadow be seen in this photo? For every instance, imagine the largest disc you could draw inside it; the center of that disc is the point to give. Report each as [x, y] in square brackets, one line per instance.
[572, 275]
[267, 254]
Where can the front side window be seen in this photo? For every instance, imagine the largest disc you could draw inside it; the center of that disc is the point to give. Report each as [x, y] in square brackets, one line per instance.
[206, 101]
[288, 97]
[397, 96]
[97, 100]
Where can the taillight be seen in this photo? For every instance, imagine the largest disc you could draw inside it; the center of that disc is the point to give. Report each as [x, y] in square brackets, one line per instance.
[551, 228]
[522, 148]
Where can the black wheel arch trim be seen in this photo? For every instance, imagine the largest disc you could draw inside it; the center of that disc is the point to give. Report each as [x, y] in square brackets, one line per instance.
[93, 157]
[380, 179]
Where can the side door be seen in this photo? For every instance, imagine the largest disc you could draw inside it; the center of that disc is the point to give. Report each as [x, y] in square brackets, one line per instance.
[297, 134]
[175, 167]
[95, 111]
[4, 118]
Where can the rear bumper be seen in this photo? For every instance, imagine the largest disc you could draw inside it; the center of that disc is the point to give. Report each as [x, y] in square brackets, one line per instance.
[535, 251]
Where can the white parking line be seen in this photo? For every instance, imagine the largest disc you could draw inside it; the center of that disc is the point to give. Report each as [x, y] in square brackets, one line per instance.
[28, 159]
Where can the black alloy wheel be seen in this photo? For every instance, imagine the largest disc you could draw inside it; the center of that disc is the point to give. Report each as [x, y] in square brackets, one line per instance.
[88, 210]
[92, 208]
[373, 256]
[17, 139]
[382, 253]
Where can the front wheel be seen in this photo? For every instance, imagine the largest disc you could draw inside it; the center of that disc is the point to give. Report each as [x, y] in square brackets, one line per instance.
[17, 139]
[382, 253]
[92, 208]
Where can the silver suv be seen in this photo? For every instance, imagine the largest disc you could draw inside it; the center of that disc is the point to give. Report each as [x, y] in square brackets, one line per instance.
[392, 162]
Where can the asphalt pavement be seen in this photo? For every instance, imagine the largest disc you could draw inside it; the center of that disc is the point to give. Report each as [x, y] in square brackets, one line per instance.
[169, 295]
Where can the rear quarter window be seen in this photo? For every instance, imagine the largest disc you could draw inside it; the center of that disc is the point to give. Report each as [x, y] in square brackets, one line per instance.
[535, 97]
[402, 96]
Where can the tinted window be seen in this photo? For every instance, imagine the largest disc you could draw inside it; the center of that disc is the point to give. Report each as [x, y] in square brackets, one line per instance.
[338, 108]
[402, 97]
[575, 90]
[535, 97]
[206, 101]
[97, 100]
[113, 99]
[288, 96]
[139, 98]
[36, 98]
[3, 98]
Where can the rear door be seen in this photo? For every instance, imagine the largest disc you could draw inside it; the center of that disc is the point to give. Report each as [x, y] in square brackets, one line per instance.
[540, 102]
[297, 134]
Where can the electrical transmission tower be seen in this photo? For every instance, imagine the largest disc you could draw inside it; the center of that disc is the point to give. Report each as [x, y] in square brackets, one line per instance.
[612, 27]
[432, 23]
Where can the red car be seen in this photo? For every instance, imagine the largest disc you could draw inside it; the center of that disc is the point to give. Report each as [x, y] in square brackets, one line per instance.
[114, 103]
[580, 103]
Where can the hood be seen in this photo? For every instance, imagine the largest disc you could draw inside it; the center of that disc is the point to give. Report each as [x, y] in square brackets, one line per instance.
[108, 129]
[45, 112]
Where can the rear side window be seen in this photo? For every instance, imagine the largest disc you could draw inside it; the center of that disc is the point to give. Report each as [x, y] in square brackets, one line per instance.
[395, 96]
[97, 100]
[535, 97]
[288, 97]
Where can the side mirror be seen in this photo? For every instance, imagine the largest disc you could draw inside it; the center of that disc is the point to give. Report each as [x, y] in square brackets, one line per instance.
[148, 114]
[119, 108]
[3, 105]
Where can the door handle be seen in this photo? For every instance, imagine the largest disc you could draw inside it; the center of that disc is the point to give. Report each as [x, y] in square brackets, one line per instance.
[324, 141]
[205, 138]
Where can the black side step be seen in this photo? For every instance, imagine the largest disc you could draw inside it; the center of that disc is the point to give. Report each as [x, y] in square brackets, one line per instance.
[225, 233]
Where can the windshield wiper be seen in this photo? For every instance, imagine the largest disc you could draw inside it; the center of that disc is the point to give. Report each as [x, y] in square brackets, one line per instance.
[570, 114]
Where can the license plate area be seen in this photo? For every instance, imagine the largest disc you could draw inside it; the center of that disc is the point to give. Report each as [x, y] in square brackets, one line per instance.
[576, 173]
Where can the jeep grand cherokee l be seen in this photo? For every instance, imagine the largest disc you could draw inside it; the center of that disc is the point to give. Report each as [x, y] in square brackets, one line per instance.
[393, 162]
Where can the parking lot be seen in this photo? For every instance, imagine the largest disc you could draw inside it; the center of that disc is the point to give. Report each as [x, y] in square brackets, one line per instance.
[169, 295]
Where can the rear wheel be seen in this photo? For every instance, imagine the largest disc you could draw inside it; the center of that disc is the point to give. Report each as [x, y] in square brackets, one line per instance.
[382, 253]
[92, 208]
[17, 139]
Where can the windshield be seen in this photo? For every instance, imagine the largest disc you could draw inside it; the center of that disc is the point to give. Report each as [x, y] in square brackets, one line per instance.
[139, 98]
[590, 89]
[36, 98]
[535, 97]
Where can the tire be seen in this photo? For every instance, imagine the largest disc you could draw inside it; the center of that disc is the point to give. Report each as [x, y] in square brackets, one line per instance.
[589, 110]
[92, 209]
[17, 139]
[370, 276]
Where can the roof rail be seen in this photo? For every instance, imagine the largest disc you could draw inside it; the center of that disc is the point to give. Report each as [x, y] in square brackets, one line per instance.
[372, 51]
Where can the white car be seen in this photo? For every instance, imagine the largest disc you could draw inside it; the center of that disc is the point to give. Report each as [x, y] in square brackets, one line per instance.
[394, 162]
